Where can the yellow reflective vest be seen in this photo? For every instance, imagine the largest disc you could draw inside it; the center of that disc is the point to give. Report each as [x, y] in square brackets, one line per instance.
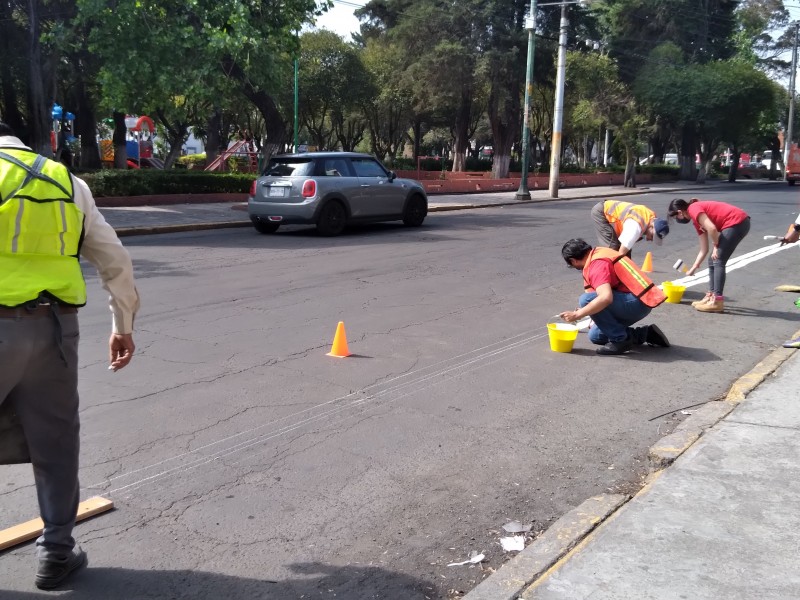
[41, 230]
[617, 212]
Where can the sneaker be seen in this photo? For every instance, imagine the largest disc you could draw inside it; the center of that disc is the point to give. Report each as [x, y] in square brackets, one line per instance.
[656, 337]
[714, 306]
[794, 343]
[52, 572]
[615, 348]
[704, 300]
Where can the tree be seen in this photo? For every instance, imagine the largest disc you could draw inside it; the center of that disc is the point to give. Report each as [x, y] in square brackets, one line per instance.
[333, 82]
[388, 111]
[603, 97]
[719, 101]
[166, 51]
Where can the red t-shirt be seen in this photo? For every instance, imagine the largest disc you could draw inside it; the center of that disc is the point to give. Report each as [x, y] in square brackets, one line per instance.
[721, 214]
[601, 271]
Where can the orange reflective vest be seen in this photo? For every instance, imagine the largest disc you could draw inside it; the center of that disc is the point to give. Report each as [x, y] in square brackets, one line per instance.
[617, 212]
[629, 274]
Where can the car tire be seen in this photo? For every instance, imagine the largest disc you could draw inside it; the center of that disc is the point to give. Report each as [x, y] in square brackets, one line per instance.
[264, 226]
[415, 211]
[332, 219]
[791, 181]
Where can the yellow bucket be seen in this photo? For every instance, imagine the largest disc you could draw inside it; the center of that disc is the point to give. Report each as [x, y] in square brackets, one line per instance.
[673, 292]
[562, 336]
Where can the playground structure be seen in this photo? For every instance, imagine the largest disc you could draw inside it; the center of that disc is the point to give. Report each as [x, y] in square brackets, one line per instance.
[241, 153]
[139, 135]
[61, 130]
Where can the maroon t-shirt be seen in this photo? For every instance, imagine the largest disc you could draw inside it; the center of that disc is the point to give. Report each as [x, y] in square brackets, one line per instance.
[601, 271]
[721, 214]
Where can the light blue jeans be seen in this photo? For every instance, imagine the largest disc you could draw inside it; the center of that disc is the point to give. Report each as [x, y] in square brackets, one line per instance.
[613, 323]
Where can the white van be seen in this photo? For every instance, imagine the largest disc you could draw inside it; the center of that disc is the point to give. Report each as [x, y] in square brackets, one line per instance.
[669, 159]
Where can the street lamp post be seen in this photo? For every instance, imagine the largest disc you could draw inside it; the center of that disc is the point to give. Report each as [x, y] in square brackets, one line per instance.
[558, 112]
[555, 155]
[787, 141]
[530, 24]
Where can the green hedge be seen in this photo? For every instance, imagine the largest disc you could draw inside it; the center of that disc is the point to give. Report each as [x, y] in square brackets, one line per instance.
[133, 182]
[193, 161]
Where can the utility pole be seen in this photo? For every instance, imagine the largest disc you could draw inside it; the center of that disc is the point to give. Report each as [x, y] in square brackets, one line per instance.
[530, 24]
[558, 113]
[296, 103]
[787, 141]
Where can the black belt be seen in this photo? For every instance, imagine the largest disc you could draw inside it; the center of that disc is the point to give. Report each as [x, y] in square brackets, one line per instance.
[40, 310]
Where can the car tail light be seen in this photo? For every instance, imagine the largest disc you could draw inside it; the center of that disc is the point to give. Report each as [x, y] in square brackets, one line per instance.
[309, 188]
[252, 189]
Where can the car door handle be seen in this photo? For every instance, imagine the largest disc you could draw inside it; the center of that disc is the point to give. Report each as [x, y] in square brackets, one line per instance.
[365, 185]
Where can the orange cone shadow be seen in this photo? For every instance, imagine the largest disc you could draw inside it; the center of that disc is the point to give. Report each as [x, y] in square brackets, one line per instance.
[339, 347]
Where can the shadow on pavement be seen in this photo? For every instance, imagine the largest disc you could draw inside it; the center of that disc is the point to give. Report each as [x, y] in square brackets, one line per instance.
[317, 581]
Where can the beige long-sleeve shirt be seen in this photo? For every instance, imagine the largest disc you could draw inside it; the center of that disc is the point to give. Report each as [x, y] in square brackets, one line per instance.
[102, 248]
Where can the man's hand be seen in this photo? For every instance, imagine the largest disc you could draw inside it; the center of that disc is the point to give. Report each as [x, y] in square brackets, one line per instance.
[121, 348]
[570, 316]
[791, 236]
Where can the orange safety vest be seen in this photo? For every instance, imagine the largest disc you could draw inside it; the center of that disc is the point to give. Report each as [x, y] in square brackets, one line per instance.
[616, 212]
[629, 274]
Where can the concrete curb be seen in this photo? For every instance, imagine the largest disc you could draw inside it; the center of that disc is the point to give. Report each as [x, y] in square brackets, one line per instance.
[127, 231]
[577, 526]
[532, 562]
[155, 229]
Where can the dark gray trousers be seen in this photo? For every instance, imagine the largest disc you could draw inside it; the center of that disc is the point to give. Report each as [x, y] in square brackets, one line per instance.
[606, 236]
[41, 381]
[729, 238]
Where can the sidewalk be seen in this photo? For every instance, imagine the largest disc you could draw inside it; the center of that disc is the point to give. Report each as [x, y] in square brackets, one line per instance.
[721, 522]
[171, 218]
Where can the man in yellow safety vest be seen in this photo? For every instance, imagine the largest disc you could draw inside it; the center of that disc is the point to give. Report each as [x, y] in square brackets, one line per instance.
[619, 225]
[48, 220]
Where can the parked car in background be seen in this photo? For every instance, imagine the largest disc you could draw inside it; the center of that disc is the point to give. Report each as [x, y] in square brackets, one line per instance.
[332, 190]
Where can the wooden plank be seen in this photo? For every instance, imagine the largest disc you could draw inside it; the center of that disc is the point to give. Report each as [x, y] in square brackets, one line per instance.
[31, 529]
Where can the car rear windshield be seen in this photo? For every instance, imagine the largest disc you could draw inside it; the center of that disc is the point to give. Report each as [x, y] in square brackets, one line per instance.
[285, 167]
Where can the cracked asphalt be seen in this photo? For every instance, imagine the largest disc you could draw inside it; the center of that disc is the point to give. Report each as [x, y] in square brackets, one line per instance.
[245, 463]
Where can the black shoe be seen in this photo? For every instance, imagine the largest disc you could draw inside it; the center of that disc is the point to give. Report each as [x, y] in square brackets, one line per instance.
[615, 348]
[656, 337]
[640, 335]
[52, 572]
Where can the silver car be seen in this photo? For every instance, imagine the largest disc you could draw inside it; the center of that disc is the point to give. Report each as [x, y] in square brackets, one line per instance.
[331, 190]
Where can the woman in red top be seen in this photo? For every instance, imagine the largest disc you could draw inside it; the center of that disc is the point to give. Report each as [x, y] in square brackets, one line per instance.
[726, 225]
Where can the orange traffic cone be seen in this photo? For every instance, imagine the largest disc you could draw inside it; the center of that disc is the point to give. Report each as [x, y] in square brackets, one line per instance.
[647, 265]
[339, 348]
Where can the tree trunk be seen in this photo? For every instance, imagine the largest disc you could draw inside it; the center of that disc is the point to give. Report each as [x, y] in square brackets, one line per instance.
[504, 120]
[86, 126]
[273, 120]
[39, 127]
[461, 143]
[12, 116]
[119, 139]
[733, 168]
[416, 127]
[688, 149]
[176, 136]
[213, 138]
[775, 146]
[630, 167]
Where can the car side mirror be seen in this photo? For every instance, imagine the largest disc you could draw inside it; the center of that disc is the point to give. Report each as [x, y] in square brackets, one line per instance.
[392, 175]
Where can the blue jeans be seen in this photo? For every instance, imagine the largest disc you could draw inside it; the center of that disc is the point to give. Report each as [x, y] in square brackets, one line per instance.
[613, 323]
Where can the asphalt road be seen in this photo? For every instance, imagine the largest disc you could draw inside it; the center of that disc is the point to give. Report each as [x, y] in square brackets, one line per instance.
[245, 463]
